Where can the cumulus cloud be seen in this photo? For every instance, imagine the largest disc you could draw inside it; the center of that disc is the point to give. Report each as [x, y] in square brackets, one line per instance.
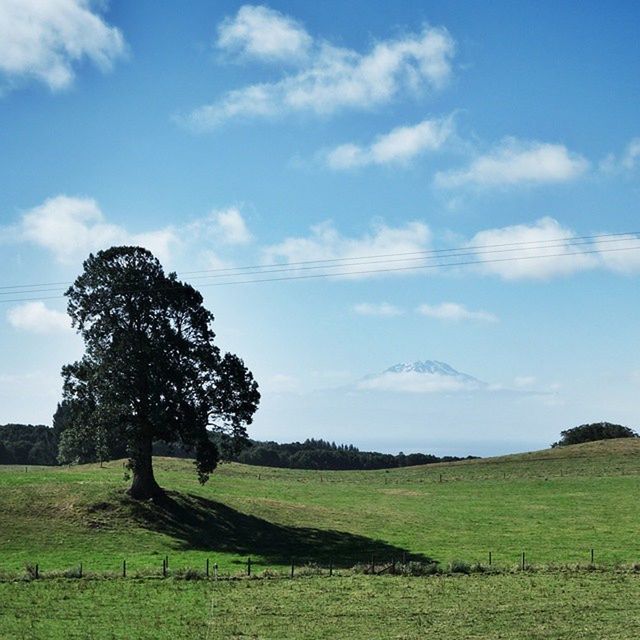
[230, 227]
[627, 161]
[454, 312]
[515, 162]
[400, 145]
[625, 258]
[42, 40]
[71, 227]
[326, 243]
[262, 33]
[382, 309]
[332, 78]
[36, 317]
[543, 250]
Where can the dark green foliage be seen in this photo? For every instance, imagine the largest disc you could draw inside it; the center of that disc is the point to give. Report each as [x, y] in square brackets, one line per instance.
[323, 455]
[151, 371]
[592, 432]
[27, 444]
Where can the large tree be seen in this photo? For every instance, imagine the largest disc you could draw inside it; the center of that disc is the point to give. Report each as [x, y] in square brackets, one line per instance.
[151, 371]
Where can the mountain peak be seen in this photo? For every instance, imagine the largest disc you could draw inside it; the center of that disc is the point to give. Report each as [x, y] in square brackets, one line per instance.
[431, 367]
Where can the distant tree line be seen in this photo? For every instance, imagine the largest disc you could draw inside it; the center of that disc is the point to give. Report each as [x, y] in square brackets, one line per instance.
[320, 454]
[27, 444]
[40, 445]
[594, 431]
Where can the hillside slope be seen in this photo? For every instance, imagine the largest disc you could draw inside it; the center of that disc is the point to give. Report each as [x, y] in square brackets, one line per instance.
[554, 504]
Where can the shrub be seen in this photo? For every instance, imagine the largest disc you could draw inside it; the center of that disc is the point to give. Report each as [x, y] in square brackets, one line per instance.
[458, 566]
[189, 574]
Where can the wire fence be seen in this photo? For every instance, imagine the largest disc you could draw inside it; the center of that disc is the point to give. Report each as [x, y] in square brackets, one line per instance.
[404, 565]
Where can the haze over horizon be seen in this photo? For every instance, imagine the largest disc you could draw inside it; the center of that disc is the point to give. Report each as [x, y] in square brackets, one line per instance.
[452, 184]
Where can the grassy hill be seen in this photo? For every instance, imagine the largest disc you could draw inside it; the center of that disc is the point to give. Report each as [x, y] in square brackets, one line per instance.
[554, 504]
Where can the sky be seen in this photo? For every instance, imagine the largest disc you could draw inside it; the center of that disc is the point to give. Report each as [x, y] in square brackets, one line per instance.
[460, 179]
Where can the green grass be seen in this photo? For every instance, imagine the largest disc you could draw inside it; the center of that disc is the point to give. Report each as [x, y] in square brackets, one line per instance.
[555, 505]
[574, 606]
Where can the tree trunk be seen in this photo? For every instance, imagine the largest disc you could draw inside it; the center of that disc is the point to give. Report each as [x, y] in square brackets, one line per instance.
[144, 485]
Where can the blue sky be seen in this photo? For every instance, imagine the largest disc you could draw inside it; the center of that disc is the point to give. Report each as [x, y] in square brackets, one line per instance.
[222, 135]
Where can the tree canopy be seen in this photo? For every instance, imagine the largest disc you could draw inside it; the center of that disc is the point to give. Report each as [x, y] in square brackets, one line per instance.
[151, 371]
[593, 431]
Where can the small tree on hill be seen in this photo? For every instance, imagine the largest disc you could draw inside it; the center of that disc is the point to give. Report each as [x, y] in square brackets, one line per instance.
[151, 371]
[594, 431]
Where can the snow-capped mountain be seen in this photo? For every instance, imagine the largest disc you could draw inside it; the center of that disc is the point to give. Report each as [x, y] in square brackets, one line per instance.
[431, 367]
[423, 376]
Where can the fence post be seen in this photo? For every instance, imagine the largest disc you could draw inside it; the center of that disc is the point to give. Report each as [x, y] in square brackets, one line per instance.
[489, 558]
[248, 566]
[591, 556]
[292, 567]
[37, 571]
[215, 570]
[207, 570]
[80, 571]
[124, 568]
[523, 561]
[330, 568]
[166, 561]
[164, 568]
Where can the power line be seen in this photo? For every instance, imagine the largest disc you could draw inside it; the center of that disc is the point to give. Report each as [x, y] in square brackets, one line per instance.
[332, 263]
[305, 266]
[568, 239]
[384, 270]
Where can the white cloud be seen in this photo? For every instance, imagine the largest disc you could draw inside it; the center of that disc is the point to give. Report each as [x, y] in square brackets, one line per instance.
[333, 78]
[230, 227]
[548, 251]
[625, 258]
[524, 382]
[43, 39]
[455, 312]
[71, 227]
[626, 162]
[515, 162]
[281, 383]
[414, 382]
[38, 318]
[400, 145]
[325, 243]
[382, 309]
[260, 32]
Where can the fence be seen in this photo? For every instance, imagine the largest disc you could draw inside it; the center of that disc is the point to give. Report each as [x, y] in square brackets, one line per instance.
[304, 567]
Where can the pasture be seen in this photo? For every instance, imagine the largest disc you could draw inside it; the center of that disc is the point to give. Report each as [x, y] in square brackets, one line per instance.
[554, 505]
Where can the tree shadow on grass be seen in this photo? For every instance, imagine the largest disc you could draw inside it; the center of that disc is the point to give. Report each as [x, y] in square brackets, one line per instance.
[203, 524]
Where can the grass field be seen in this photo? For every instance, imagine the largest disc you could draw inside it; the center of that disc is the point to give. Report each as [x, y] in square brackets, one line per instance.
[556, 505]
[519, 606]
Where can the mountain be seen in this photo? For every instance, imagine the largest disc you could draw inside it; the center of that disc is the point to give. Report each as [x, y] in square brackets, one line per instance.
[422, 376]
[431, 367]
